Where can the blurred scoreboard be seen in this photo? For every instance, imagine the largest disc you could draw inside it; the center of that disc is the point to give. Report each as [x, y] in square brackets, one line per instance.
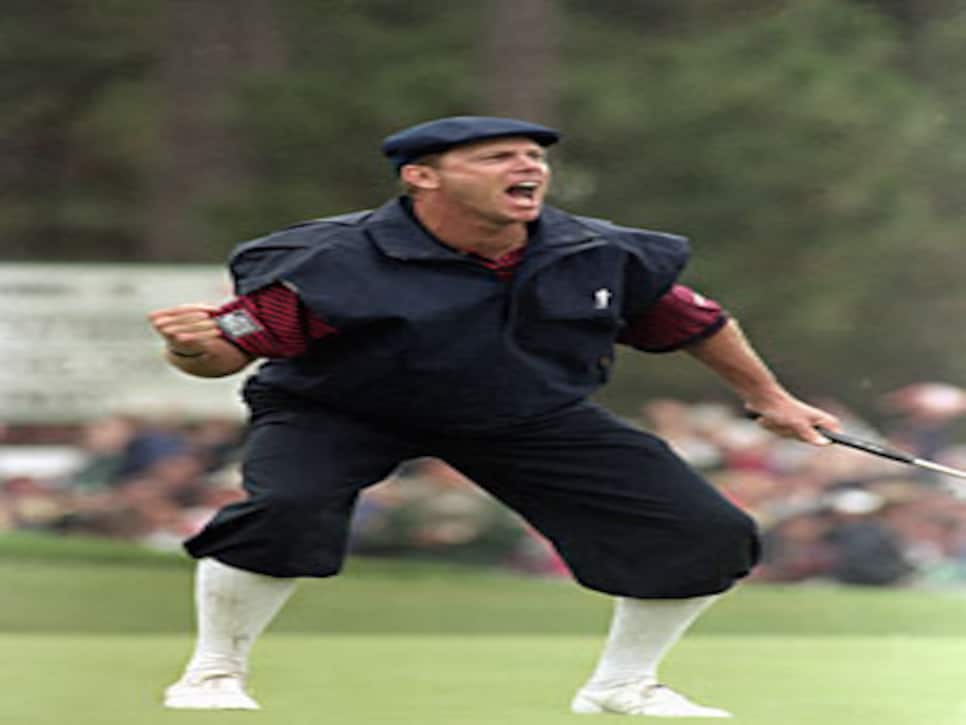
[75, 343]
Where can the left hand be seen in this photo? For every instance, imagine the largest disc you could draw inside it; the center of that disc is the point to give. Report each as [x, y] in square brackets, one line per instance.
[791, 418]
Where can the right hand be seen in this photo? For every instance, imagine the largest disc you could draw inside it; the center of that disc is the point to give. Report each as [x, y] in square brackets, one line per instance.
[186, 328]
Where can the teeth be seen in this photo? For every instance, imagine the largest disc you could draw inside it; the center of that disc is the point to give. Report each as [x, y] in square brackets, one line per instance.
[524, 190]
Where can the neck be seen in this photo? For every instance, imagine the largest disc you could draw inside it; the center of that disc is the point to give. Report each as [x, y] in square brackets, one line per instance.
[470, 234]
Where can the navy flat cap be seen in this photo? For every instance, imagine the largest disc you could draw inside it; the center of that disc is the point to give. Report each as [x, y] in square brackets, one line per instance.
[431, 137]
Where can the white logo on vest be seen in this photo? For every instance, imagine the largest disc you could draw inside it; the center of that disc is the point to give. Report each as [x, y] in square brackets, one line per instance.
[602, 298]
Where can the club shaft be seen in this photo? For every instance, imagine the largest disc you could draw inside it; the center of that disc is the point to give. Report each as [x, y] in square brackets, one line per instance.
[894, 454]
[939, 468]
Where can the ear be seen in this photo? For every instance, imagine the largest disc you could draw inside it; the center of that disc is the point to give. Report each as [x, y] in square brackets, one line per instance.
[419, 176]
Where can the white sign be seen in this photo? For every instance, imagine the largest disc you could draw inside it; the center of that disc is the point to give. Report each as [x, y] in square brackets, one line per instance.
[75, 343]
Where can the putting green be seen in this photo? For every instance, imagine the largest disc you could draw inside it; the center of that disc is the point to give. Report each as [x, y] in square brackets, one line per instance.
[477, 680]
[91, 633]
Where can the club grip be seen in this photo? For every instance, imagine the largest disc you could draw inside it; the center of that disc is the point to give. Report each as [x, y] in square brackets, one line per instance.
[867, 446]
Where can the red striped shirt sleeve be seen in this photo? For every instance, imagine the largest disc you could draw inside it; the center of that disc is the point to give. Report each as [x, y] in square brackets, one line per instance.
[271, 322]
[680, 318]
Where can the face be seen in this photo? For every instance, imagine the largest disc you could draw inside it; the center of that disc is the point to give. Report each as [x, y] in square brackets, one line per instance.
[500, 181]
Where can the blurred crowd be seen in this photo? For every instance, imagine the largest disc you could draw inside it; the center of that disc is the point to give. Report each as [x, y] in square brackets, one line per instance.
[827, 513]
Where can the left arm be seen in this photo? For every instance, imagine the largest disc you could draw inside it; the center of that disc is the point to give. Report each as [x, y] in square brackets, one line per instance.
[729, 355]
[684, 320]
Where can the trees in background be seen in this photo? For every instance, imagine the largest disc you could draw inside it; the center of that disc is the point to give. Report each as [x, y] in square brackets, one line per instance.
[795, 148]
[78, 124]
[814, 152]
[208, 49]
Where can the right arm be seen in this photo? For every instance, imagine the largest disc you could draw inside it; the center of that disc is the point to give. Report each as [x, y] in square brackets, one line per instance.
[194, 343]
[212, 342]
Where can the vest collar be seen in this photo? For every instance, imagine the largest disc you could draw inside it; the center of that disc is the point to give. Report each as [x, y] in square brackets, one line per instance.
[397, 233]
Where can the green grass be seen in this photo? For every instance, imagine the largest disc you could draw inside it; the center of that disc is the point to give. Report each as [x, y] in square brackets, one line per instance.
[469, 680]
[92, 631]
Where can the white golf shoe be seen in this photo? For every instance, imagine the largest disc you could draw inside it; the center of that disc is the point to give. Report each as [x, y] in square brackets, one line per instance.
[213, 691]
[653, 700]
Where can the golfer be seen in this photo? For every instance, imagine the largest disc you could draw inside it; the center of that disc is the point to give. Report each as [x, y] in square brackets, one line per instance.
[469, 321]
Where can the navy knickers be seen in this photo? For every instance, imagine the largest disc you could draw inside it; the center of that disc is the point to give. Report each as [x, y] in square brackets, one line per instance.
[625, 513]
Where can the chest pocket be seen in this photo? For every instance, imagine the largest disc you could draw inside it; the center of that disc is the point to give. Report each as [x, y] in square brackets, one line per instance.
[584, 287]
[571, 314]
[587, 301]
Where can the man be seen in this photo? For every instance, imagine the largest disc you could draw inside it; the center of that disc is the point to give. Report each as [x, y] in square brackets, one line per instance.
[468, 321]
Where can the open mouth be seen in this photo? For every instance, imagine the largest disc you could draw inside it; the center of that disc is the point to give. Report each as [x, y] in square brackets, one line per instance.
[525, 190]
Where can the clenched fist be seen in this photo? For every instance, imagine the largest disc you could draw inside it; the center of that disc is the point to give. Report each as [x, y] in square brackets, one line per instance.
[186, 329]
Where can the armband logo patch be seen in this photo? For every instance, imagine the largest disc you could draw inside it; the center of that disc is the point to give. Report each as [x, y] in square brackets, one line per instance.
[238, 323]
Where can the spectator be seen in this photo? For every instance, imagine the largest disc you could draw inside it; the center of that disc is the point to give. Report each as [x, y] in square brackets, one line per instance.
[433, 512]
[104, 442]
[924, 413]
[867, 551]
[182, 473]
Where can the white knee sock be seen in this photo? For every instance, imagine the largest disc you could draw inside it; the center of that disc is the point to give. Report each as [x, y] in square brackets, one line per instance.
[641, 633]
[233, 607]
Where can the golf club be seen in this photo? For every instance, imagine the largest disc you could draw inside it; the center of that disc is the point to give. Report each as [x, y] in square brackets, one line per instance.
[894, 454]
